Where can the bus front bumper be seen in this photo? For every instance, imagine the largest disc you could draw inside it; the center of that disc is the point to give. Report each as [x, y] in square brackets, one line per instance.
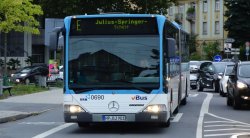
[138, 117]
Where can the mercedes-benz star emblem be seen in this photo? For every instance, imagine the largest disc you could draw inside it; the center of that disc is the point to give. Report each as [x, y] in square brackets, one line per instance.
[113, 106]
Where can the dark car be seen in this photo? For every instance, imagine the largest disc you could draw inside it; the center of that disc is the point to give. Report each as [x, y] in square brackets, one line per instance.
[238, 85]
[207, 77]
[28, 74]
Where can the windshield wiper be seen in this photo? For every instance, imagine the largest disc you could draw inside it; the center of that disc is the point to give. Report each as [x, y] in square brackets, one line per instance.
[80, 89]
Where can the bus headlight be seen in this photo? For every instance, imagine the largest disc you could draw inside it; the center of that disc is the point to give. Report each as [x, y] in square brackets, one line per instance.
[241, 85]
[155, 108]
[73, 109]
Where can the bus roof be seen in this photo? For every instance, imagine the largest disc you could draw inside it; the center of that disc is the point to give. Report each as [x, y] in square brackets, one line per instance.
[115, 15]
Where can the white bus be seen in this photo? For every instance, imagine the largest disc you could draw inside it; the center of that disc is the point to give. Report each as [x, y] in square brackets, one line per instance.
[123, 68]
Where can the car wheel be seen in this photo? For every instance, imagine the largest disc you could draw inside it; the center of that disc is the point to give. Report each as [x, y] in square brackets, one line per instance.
[236, 103]
[216, 87]
[165, 124]
[229, 101]
[27, 81]
[222, 93]
[200, 88]
[194, 87]
[80, 124]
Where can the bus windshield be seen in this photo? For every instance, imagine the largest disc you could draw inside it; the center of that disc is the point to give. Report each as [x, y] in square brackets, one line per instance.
[114, 62]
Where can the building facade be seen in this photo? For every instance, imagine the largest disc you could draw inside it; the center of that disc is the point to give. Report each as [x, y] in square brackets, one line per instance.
[204, 18]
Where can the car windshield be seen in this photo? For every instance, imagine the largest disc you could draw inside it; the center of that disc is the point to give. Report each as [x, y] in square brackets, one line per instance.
[219, 66]
[229, 69]
[197, 63]
[244, 71]
[207, 67]
[25, 70]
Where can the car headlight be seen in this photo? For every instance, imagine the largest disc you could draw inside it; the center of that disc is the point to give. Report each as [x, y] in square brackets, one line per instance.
[219, 77]
[23, 75]
[241, 85]
[155, 108]
[73, 109]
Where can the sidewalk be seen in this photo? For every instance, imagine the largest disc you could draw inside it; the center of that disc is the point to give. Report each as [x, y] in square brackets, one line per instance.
[18, 107]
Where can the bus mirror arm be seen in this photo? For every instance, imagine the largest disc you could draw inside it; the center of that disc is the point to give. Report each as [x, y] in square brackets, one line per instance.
[54, 37]
[171, 44]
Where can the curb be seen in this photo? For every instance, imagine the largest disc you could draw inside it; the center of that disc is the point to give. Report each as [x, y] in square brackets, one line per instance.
[20, 115]
[15, 117]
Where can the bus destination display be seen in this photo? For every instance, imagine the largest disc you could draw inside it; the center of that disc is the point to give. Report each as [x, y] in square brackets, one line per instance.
[114, 26]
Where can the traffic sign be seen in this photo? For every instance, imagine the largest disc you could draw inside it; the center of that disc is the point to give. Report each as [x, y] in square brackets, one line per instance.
[217, 58]
[227, 47]
[235, 51]
[229, 40]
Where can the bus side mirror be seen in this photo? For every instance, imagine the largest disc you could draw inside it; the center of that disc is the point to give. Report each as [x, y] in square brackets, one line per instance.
[171, 47]
[54, 38]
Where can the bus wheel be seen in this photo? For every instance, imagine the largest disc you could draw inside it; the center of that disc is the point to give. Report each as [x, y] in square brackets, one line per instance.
[165, 124]
[83, 125]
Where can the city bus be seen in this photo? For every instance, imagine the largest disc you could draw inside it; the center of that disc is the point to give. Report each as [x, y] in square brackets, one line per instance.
[123, 68]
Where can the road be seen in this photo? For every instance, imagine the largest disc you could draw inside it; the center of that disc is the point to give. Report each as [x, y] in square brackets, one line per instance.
[205, 115]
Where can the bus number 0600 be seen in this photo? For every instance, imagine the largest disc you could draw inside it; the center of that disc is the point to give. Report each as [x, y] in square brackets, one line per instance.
[97, 97]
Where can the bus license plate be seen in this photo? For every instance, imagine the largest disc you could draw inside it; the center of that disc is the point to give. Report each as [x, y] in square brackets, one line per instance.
[114, 118]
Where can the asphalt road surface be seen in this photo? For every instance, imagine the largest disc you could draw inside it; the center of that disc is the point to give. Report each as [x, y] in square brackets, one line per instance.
[205, 115]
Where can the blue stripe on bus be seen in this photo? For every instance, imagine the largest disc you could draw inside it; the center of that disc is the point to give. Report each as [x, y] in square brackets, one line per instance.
[114, 91]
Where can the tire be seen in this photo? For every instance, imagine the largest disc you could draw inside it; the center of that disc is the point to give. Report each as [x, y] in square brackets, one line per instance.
[193, 87]
[83, 125]
[222, 93]
[229, 101]
[27, 81]
[184, 101]
[176, 110]
[236, 103]
[165, 124]
[216, 87]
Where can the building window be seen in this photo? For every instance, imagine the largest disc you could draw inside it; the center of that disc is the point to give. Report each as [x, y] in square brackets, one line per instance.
[217, 27]
[171, 11]
[181, 9]
[204, 6]
[204, 30]
[217, 5]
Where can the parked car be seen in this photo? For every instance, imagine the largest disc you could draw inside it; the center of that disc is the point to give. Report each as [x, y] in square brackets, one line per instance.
[56, 76]
[219, 70]
[194, 65]
[238, 86]
[207, 77]
[193, 80]
[28, 74]
[224, 79]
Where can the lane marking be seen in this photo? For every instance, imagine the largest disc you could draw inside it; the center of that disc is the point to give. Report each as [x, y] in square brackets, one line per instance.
[240, 134]
[225, 134]
[53, 130]
[204, 110]
[210, 122]
[212, 130]
[177, 117]
[228, 125]
[193, 95]
[227, 119]
[41, 123]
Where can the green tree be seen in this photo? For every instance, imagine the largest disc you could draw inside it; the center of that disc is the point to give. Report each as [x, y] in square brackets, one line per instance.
[237, 23]
[19, 16]
[62, 8]
[211, 49]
